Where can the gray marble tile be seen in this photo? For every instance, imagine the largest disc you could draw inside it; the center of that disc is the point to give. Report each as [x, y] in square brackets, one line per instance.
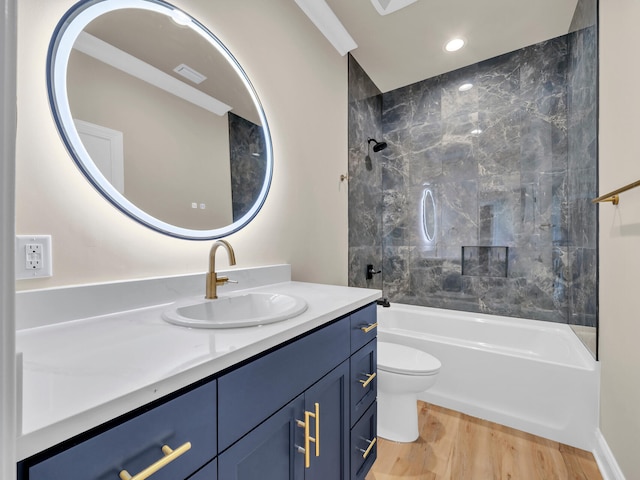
[365, 173]
[248, 163]
[359, 258]
[482, 261]
[459, 217]
[510, 162]
[395, 271]
[583, 213]
[395, 224]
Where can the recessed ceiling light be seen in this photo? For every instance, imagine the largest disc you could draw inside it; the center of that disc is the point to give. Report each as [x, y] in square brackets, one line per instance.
[465, 86]
[454, 45]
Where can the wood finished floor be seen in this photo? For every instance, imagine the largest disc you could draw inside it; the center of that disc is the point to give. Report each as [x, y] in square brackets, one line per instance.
[454, 446]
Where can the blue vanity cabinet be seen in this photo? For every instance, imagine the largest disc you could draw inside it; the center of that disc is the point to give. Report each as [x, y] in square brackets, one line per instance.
[137, 443]
[259, 420]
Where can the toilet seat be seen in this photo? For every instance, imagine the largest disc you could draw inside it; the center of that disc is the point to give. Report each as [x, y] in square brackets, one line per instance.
[404, 360]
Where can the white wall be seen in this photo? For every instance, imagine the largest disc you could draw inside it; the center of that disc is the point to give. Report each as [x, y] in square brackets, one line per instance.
[175, 152]
[620, 233]
[302, 83]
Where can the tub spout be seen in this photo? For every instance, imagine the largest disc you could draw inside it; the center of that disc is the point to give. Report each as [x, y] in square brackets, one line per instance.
[383, 301]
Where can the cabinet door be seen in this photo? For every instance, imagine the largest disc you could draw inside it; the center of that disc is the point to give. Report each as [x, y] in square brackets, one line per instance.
[331, 394]
[270, 451]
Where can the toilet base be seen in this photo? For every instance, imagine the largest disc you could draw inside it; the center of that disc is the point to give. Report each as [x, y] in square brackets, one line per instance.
[398, 416]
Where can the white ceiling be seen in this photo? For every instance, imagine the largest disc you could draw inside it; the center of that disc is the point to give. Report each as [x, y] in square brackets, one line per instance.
[407, 46]
[155, 39]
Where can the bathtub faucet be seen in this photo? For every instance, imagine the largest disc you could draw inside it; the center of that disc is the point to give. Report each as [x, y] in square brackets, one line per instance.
[383, 301]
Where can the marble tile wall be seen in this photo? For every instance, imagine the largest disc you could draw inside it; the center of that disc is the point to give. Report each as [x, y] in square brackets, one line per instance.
[248, 163]
[365, 178]
[582, 168]
[508, 163]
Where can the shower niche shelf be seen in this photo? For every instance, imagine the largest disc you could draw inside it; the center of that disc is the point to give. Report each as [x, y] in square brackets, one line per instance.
[479, 261]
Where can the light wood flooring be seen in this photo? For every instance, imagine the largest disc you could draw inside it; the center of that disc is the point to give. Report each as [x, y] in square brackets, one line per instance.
[454, 446]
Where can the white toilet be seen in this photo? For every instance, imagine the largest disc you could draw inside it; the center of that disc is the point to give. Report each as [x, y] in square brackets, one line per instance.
[403, 372]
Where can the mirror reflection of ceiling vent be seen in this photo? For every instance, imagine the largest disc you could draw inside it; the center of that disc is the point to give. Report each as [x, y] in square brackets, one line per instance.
[384, 7]
[189, 73]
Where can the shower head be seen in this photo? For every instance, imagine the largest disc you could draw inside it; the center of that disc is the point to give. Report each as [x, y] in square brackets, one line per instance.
[378, 145]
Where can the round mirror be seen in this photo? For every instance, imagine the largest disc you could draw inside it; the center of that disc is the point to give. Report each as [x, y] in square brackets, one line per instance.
[160, 117]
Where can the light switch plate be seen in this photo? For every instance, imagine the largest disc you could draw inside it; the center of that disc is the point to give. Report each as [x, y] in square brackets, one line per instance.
[33, 256]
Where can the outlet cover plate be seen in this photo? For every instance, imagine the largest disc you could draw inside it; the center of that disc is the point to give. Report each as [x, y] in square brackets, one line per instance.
[30, 262]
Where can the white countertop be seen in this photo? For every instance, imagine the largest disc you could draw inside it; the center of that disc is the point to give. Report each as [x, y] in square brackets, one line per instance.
[82, 373]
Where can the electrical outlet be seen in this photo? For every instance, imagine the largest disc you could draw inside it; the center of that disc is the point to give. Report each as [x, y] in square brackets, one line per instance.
[33, 256]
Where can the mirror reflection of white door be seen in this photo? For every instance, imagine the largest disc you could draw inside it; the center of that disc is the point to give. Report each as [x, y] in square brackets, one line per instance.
[105, 146]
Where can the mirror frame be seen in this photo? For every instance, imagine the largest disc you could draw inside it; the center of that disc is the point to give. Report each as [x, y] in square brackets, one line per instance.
[67, 30]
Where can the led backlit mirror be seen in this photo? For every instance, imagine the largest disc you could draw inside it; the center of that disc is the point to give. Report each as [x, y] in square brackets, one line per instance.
[160, 117]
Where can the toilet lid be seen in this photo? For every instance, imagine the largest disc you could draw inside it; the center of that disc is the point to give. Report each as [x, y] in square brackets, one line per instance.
[396, 358]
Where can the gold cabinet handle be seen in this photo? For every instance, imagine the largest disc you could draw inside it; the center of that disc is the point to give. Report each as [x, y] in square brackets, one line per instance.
[365, 453]
[317, 439]
[305, 449]
[307, 434]
[370, 376]
[169, 456]
[368, 328]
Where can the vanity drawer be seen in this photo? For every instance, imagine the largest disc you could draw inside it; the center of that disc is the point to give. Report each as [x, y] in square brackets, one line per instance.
[363, 326]
[364, 382]
[252, 393]
[137, 443]
[208, 472]
[364, 448]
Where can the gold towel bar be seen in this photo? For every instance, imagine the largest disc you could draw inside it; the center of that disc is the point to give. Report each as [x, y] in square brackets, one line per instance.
[613, 196]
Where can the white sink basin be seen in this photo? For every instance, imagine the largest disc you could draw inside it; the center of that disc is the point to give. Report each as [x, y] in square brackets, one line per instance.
[241, 310]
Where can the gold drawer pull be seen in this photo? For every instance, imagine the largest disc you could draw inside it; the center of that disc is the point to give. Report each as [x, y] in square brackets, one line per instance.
[369, 327]
[169, 456]
[366, 452]
[307, 434]
[370, 376]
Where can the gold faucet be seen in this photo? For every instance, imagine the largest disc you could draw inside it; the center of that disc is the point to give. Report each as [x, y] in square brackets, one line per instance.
[212, 277]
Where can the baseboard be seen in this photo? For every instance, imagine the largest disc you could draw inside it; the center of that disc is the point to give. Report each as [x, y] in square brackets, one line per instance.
[607, 464]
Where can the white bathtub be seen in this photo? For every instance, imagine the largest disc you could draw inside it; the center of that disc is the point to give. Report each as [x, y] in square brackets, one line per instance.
[527, 374]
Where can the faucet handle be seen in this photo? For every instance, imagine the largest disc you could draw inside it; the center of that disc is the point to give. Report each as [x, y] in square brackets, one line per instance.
[372, 271]
[221, 280]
